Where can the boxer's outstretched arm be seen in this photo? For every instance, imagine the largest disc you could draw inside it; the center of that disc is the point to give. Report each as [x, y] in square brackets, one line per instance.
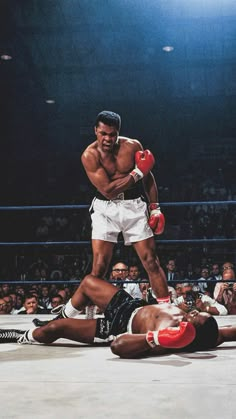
[132, 346]
[227, 334]
[135, 346]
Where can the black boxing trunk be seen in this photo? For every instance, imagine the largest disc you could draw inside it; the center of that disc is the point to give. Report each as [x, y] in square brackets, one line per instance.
[133, 193]
[117, 315]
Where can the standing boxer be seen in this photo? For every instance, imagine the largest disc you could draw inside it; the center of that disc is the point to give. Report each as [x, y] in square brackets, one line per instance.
[118, 167]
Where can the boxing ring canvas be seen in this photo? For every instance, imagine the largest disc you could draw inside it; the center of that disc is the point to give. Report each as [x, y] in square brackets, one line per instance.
[68, 379]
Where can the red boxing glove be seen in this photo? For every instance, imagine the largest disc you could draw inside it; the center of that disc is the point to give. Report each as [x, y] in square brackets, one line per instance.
[172, 337]
[156, 220]
[144, 163]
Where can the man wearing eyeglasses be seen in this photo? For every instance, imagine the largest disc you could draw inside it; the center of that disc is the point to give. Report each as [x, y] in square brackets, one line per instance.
[119, 274]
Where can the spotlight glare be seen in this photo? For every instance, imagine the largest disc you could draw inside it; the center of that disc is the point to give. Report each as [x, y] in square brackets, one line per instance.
[168, 48]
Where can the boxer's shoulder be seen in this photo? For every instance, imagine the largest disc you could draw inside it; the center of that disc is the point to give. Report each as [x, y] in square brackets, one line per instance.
[91, 149]
[130, 142]
[90, 154]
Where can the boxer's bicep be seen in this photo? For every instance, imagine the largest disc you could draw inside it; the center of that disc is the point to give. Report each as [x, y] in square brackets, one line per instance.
[226, 334]
[95, 172]
[101, 180]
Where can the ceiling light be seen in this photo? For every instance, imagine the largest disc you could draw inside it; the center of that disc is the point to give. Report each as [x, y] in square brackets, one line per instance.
[168, 48]
[6, 57]
[50, 101]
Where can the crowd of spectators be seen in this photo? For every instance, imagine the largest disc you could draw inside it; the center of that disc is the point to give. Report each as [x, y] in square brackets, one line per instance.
[206, 288]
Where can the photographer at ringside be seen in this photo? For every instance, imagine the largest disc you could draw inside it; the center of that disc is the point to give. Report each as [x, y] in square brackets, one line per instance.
[192, 298]
[225, 292]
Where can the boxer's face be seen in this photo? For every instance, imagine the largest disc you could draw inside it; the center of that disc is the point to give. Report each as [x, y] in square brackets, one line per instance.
[196, 318]
[106, 136]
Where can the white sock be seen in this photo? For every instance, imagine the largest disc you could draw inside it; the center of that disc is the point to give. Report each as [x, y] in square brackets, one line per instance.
[27, 337]
[30, 335]
[70, 310]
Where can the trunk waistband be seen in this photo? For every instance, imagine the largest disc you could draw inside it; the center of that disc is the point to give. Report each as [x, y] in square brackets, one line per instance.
[129, 194]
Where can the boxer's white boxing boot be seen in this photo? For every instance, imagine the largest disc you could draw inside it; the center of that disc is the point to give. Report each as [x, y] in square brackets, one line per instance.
[63, 312]
[27, 338]
[17, 336]
[60, 311]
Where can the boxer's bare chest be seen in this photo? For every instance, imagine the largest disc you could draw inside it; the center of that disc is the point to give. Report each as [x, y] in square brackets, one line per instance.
[117, 163]
[155, 318]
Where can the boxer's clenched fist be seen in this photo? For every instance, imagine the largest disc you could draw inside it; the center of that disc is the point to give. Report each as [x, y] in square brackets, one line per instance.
[144, 162]
[156, 220]
[172, 337]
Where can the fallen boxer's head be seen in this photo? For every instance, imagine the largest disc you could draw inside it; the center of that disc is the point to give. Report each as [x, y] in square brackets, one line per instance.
[206, 331]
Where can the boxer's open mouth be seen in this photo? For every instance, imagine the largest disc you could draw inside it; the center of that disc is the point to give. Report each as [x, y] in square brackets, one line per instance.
[107, 145]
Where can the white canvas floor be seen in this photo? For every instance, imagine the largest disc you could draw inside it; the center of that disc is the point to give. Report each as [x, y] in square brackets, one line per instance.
[71, 380]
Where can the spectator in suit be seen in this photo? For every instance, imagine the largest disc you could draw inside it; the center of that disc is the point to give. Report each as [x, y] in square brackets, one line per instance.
[171, 274]
[204, 282]
[215, 272]
[44, 298]
[31, 306]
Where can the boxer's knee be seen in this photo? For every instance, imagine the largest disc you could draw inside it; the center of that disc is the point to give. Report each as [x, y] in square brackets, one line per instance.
[89, 284]
[49, 333]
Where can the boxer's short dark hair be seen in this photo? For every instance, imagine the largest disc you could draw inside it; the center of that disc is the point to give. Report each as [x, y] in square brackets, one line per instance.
[206, 336]
[109, 118]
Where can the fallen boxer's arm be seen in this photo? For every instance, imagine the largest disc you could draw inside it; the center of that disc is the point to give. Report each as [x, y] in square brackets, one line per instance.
[134, 346]
[153, 342]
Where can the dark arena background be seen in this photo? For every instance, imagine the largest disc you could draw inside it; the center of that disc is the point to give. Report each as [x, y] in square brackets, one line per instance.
[168, 67]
